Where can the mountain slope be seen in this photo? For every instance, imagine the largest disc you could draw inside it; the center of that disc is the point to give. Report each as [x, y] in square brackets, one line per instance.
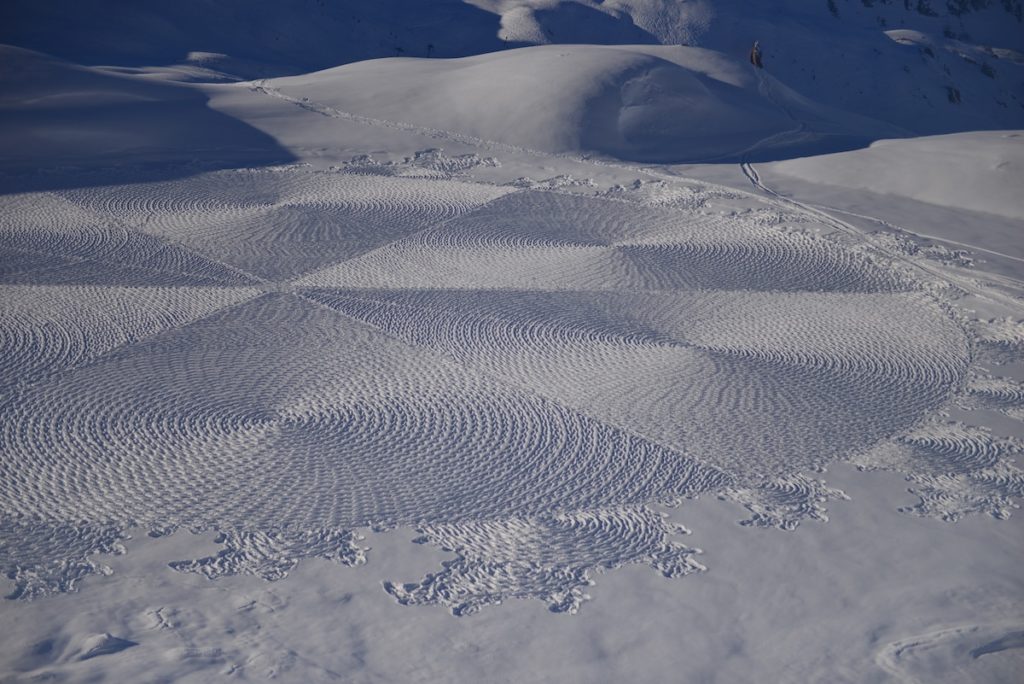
[839, 73]
[928, 66]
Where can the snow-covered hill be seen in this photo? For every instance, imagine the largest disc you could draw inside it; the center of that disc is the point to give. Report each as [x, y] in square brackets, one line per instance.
[838, 76]
[927, 66]
[653, 103]
[988, 166]
[57, 115]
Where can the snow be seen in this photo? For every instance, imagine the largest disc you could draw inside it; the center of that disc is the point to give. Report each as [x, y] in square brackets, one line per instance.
[989, 167]
[823, 602]
[846, 58]
[55, 114]
[654, 104]
[568, 353]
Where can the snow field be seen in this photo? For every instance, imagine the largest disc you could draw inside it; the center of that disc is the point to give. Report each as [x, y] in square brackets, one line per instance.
[529, 358]
[506, 370]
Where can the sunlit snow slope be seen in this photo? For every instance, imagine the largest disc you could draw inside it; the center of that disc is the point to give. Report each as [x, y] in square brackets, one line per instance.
[955, 65]
[987, 179]
[637, 103]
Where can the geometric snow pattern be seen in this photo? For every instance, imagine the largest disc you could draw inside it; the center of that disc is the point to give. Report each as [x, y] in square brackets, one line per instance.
[285, 355]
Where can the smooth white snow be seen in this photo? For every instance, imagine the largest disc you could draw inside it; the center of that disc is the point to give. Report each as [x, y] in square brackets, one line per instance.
[54, 114]
[989, 168]
[632, 102]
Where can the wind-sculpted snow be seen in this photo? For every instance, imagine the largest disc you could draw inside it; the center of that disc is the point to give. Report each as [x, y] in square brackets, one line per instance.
[956, 650]
[517, 373]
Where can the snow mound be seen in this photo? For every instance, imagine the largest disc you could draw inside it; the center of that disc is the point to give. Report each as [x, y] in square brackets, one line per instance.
[103, 644]
[643, 103]
[973, 652]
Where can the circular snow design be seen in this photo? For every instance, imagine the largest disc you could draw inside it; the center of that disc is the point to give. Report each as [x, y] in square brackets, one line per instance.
[314, 352]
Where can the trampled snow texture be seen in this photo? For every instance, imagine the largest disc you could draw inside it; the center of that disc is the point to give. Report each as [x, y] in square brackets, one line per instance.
[517, 373]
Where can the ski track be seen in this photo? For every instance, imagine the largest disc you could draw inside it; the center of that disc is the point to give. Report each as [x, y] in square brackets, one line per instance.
[899, 230]
[515, 372]
[935, 275]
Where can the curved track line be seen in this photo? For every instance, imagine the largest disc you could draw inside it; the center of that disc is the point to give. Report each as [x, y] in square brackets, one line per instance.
[821, 213]
[893, 226]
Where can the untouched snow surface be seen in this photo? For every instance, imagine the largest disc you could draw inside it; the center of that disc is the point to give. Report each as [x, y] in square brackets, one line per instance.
[989, 168]
[55, 115]
[639, 103]
[258, 336]
[955, 65]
